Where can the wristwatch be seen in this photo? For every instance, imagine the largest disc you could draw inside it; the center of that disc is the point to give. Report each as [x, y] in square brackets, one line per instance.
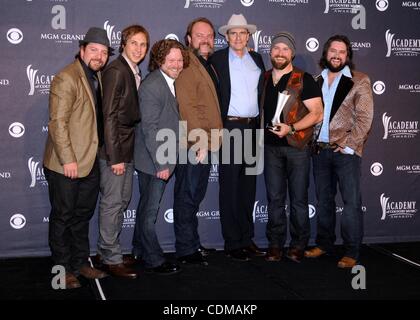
[292, 130]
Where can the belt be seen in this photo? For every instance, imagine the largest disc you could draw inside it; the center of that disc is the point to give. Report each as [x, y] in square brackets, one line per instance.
[326, 145]
[240, 119]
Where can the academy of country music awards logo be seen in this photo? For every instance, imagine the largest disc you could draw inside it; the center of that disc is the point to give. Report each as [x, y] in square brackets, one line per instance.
[37, 173]
[129, 220]
[342, 6]
[262, 42]
[114, 36]
[209, 4]
[38, 82]
[289, 3]
[399, 129]
[401, 47]
[397, 209]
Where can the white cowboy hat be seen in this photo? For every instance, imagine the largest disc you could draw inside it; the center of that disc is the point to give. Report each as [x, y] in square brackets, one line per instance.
[237, 21]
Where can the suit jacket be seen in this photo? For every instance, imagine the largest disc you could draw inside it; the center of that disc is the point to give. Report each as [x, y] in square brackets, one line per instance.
[72, 130]
[220, 62]
[198, 101]
[158, 110]
[352, 112]
[120, 108]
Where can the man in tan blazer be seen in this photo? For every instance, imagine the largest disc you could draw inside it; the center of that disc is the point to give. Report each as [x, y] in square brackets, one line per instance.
[348, 114]
[70, 158]
[199, 107]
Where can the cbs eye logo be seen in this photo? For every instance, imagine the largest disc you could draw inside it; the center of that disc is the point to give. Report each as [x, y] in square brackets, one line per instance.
[169, 216]
[16, 129]
[312, 44]
[18, 221]
[376, 169]
[382, 5]
[172, 36]
[379, 87]
[312, 211]
[247, 3]
[14, 36]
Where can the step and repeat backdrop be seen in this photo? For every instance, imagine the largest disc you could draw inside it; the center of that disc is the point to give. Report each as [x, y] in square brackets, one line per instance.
[39, 37]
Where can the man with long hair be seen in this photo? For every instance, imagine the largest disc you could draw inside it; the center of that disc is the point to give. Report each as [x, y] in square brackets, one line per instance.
[348, 114]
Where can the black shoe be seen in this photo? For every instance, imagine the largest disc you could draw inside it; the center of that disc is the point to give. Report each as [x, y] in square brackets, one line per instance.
[195, 258]
[165, 268]
[238, 254]
[205, 251]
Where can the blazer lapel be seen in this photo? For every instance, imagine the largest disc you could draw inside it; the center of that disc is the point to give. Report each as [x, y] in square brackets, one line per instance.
[86, 85]
[343, 88]
[132, 79]
[171, 98]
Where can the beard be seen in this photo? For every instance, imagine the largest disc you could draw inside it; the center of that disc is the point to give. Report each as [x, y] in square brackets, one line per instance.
[335, 69]
[95, 64]
[206, 54]
[278, 65]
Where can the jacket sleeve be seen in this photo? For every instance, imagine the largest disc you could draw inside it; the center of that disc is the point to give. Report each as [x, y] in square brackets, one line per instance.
[112, 82]
[61, 101]
[363, 114]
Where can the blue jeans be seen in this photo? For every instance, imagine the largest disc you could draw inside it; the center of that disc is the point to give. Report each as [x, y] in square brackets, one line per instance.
[145, 240]
[286, 170]
[190, 189]
[331, 168]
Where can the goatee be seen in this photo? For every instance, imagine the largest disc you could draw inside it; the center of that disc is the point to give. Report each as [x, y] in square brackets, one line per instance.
[335, 69]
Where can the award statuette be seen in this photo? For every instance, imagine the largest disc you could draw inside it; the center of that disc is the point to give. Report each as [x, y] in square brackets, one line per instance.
[281, 102]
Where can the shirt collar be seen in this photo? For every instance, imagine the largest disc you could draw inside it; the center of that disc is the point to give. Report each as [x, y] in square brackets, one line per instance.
[168, 79]
[233, 55]
[134, 67]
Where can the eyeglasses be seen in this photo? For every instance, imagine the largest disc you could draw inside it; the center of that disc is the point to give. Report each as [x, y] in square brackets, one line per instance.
[241, 34]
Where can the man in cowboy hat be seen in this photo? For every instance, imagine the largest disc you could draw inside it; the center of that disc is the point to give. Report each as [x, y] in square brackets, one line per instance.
[70, 158]
[240, 73]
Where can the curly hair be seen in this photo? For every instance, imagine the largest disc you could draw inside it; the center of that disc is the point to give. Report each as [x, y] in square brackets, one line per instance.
[161, 49]
[339, 38]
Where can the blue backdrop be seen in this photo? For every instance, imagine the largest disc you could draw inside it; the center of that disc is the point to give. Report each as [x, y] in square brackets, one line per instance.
[39, 37]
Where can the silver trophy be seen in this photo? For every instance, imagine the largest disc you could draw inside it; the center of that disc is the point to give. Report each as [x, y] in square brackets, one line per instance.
[281, 102]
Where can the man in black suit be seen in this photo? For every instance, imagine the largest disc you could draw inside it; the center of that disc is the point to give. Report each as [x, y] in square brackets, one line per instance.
[240, 73]
[121, 81]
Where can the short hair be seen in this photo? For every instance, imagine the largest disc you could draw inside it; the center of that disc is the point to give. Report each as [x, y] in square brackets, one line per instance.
[162, 48]
[191, 25]
[339, 38]
[129, 31]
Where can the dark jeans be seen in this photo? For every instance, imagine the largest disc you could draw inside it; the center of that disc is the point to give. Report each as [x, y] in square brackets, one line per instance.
[190, 189]
[236, 195]
[73, 203]
[145, 240]
[287, 169]
[331, 168]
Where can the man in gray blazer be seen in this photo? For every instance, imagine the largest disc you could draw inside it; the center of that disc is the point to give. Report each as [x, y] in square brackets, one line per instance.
[156, 146]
